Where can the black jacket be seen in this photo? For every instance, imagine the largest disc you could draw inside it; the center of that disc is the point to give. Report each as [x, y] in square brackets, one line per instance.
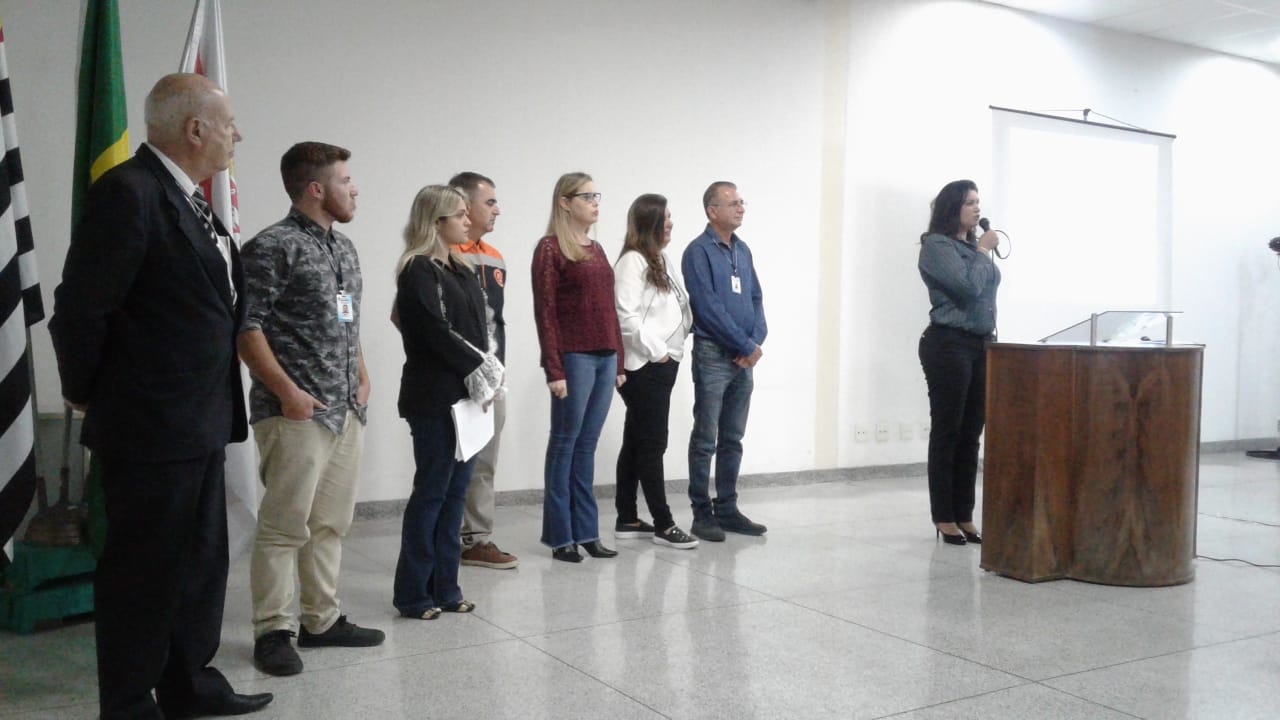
[143, 323]
[436, 359]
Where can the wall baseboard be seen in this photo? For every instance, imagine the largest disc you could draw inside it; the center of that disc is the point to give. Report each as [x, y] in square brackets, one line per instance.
[1219, 446]
[676, 489]
[50, 427]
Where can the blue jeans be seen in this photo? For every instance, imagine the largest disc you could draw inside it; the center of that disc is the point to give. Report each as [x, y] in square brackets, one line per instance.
[569, 513]
[721, 402]
[430, 544]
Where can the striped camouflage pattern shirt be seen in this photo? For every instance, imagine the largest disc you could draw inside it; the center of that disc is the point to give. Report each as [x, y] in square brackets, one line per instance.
[293, 273]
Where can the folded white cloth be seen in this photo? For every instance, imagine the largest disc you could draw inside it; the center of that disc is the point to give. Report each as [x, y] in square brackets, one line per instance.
[485, 383]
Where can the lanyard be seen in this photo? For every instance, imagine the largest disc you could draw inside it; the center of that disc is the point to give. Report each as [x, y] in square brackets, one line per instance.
[330, 254]
[733, 255]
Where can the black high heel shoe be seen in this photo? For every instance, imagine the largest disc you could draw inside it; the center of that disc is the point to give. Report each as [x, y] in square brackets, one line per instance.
[568, 553]
[971, 537]
[596, 550]
[949, 538]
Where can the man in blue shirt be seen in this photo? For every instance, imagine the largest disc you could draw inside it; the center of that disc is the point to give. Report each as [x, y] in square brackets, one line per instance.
[728, 330]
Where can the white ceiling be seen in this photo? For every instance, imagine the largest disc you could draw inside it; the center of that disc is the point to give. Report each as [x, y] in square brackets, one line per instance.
[1248, 28]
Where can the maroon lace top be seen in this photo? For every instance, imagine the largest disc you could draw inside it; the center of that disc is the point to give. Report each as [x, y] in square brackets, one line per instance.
[573, 305]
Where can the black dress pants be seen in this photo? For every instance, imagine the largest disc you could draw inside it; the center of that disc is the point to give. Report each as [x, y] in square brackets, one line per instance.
[955, 369]
[160, 585]
[647, 395]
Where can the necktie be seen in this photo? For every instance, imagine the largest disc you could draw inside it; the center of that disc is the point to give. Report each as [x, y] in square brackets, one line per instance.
[202, 209]
[223, 243]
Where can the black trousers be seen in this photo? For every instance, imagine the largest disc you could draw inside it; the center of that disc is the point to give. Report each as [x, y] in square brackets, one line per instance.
[955, 369]
[647, 395]
[160, 585]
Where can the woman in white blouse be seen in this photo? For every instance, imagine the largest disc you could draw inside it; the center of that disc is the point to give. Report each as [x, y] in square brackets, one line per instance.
[653, 311]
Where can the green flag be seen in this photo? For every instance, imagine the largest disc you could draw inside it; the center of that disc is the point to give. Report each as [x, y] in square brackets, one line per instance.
[102, 118]
[102, 142]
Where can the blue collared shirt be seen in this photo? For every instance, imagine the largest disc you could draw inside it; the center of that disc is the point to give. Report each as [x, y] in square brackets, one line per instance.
[732, 320]
[962, 284]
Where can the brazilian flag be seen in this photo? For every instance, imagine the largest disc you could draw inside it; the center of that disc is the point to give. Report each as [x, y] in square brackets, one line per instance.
[102, 142]
[102, 118]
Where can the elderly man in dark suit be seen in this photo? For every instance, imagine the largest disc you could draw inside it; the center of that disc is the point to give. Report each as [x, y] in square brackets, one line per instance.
[144, 328]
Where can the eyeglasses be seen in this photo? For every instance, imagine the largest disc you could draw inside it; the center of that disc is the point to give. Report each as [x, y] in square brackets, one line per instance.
[589, 197]
[734, 204]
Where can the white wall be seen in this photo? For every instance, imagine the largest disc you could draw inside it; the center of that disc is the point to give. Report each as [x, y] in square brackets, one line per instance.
[921, 78]
[642, 95]
[665, 96]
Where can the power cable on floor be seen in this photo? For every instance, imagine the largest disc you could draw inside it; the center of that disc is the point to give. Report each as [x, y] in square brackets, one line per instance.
[1246, 562]
[1243, 520]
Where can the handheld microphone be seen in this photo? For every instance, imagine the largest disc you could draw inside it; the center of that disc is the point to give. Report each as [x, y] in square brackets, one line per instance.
[985, 224]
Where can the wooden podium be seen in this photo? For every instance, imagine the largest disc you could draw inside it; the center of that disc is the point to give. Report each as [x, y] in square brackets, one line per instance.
[1092, 463]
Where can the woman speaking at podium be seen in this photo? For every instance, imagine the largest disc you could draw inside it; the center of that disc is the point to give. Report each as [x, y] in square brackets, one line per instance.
[957, 269]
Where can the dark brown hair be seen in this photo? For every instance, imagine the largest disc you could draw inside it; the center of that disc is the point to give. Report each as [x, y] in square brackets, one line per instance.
[305, 163]
[945, 209]
[646, 228]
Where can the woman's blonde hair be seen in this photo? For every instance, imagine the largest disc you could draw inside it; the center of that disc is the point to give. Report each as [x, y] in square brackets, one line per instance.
[560, 225]
[432, 204]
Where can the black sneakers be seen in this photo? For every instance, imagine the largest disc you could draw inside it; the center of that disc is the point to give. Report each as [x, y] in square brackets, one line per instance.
[341, 634]
[273, 654]
[674, 537]
[640, 529]
[707, 528]
[734, 522]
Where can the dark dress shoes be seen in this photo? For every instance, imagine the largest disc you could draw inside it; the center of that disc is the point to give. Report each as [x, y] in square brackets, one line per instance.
[568, 553]
[596, 550]
[228, 704]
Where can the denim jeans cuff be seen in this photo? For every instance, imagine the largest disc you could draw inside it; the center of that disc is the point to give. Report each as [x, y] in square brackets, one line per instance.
[729, 507]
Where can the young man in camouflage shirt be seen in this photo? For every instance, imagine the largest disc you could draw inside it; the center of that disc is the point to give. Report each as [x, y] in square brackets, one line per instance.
[301, 341]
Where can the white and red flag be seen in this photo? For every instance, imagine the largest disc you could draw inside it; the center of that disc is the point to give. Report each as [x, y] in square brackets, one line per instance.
[203, 54]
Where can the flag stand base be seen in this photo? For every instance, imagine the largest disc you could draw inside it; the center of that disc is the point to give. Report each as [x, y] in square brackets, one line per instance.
[46, 583]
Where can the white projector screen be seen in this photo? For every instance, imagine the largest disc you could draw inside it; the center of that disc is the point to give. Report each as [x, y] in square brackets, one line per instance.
[1089, 211]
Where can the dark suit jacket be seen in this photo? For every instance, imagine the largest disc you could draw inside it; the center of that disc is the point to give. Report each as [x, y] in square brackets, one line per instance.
[143, 322]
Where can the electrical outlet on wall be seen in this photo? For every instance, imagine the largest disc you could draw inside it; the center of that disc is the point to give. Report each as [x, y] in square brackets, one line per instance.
[905, 431]
[882, 432]
[925, 427]
[861, 433]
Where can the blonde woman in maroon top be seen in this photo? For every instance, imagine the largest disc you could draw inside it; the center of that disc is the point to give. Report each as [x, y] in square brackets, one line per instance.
[582, 357]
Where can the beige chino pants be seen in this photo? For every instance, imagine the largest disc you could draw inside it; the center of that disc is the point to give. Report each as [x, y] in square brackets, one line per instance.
[477, 517]
[310, 476]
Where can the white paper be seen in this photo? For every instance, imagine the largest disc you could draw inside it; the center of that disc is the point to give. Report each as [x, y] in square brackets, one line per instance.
[473, 427]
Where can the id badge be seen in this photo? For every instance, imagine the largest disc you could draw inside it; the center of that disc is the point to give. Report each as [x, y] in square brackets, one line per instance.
[735, 283]
[346, 309]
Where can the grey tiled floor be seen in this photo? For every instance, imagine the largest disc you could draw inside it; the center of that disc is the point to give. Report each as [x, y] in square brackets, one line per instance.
[846, 609]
